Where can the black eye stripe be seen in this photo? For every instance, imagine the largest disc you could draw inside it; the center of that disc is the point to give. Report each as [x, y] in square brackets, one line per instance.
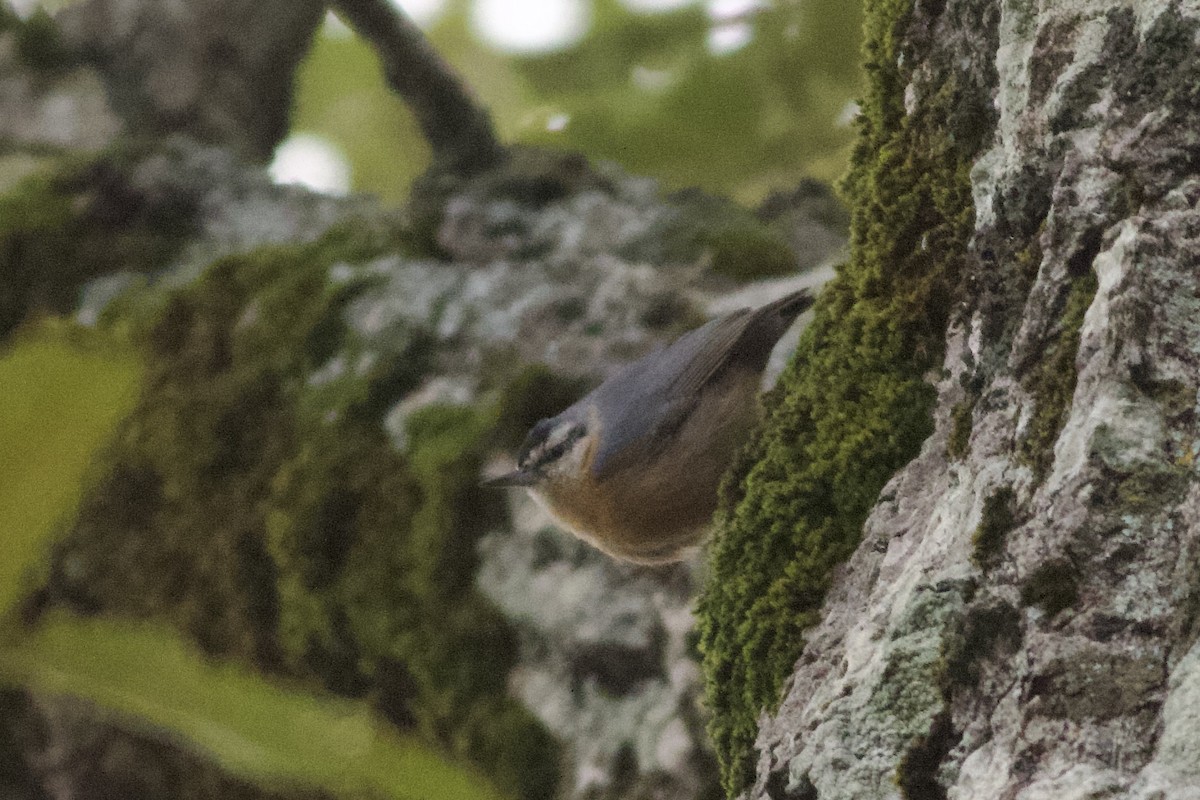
[553, 453]
[537, 434]
[530, 457]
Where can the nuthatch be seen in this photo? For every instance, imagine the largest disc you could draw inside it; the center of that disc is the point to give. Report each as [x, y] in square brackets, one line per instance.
[633, 468]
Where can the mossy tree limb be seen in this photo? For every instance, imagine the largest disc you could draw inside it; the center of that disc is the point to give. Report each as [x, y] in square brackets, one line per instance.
[854, 405]
[80, 219]
[266, 513]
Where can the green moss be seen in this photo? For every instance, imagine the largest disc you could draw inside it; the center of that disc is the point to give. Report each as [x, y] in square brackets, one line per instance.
[959, 443]
[264, 511]
[535, 176]
[532, 177]
[34, 229]
[1052, 382]
[670, 312]
[75, 221]
[216, 422]
[853, 406]
[8, 18]
[1029, 260]
[749, 252]
[1052, 587]
[1178, 400]
[1140, 488]
[40, 45]
[1162, 67]
[997, 520]
[394, 554]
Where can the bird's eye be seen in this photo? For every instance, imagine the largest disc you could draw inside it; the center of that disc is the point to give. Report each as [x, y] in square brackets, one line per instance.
[554, 446]
[533, 441]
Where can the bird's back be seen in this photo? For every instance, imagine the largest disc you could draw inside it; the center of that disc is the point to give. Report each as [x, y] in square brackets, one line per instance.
[654, 395]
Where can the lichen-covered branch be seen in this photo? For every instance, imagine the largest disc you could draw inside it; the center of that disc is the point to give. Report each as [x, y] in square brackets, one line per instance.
[219, 72]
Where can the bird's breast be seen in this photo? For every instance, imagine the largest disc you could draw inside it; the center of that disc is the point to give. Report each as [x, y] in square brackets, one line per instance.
[651, 510]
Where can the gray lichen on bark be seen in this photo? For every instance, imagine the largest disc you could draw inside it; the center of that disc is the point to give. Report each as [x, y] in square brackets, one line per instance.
[1063, 662]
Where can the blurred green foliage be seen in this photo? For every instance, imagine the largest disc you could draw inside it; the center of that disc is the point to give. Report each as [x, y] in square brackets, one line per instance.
[63, 390]
[740, 123]
[341, 96]
[642, 89]
[275, 734]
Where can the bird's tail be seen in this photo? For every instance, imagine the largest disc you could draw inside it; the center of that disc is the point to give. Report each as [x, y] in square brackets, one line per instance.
[788, 307]
[768, 323]
[772, 320]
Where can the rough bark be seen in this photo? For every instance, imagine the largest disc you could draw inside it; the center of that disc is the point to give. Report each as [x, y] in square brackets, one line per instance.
[1020, 617]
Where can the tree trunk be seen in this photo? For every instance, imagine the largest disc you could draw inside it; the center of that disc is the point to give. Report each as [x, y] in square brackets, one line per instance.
[1019, 617]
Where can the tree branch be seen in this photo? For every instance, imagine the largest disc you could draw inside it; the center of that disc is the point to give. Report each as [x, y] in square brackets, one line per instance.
[221, 72]
[457, 127]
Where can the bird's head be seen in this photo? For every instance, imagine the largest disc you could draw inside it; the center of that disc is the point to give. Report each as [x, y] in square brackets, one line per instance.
[555, 450]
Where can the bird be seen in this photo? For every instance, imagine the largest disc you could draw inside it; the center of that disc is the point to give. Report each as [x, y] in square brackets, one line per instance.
[633, 468]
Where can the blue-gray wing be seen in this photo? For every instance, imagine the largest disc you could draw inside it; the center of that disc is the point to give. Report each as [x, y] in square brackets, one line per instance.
[652, 396]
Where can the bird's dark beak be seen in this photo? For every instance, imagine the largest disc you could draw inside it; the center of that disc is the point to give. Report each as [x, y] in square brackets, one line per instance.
[515, 478]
